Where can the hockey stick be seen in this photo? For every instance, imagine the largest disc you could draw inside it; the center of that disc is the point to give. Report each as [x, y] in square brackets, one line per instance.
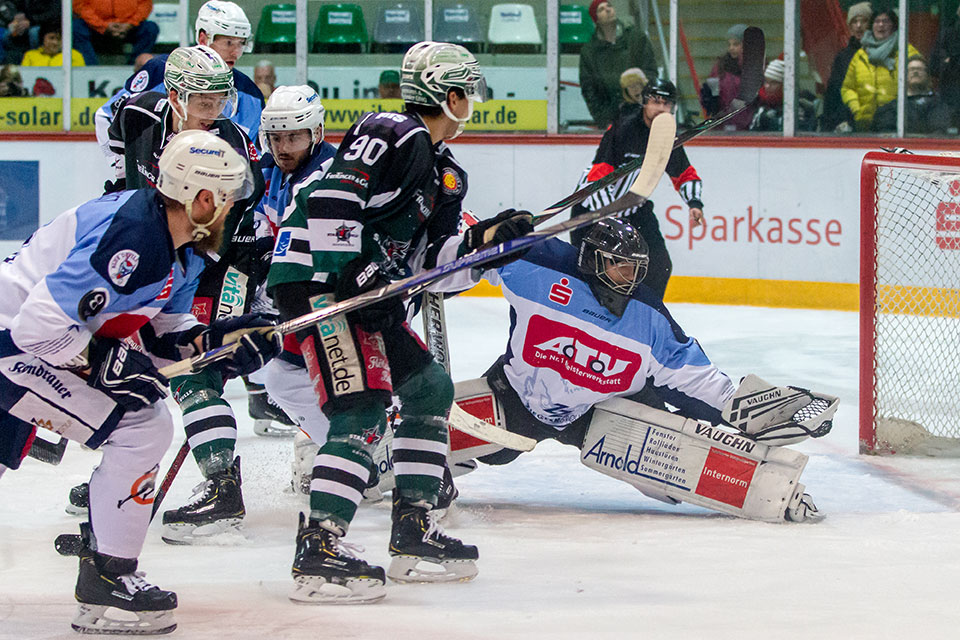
[659, 147]
[71, 544]
[46, 451]
[754, 49]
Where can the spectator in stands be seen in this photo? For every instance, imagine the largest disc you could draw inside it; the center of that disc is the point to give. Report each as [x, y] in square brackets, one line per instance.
[769, 115]
[632, 82]
[925, 112]
[945, 65]
[50, 51]
[20, 22]
[836, 115]
[723, 84]
[388, 86]
[111, 24]
[871, 79]
[612, 49]
[11, 82]
[265, 77]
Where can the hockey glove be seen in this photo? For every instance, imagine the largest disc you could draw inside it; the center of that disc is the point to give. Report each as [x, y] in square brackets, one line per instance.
[255, 348]
[125, 374]
[359, 276]
[506, 225]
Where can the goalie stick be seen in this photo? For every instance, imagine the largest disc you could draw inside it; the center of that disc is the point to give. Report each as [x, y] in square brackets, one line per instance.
[751, 78]
[659, 147]
[71, 544]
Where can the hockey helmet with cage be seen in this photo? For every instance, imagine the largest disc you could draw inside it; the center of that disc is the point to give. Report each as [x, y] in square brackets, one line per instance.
[431, 69]
[191, 71]
[613, 259]
[221, 18]
[292, 109]
[196, 160]
[659, 87]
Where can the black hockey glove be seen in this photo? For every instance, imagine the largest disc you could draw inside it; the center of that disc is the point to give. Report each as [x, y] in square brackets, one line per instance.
[359, 276]
[125, 374]
[506, 225]
[120, 184]
[256, 348]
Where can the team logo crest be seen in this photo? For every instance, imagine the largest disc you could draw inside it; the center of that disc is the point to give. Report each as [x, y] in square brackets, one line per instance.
[122, 265]
[371, 436]
[92, 303]
[140, 82]
[283, 243]
[451, 183]
[343, 233]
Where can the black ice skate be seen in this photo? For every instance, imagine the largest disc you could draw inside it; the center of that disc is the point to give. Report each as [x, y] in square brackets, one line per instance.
[422, 551]
[79, 500]
[326, 570]
[216, 508]
[268, 418]
[107, 583]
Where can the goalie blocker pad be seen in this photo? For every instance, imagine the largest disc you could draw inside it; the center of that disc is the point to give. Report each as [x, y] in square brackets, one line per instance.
[676, 459]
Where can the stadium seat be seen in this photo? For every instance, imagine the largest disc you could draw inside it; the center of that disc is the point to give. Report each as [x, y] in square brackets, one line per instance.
[513, 29]
[167, 18]
[398, 26]
[277, 31]
[576, 27]
[458, 24]
[340, 28]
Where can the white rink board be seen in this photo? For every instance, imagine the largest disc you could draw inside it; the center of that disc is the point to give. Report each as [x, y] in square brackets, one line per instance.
[811, 194]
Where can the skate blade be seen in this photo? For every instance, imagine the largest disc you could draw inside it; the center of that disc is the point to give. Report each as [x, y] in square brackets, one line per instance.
[94, 618]
[407, 569]
[271, 429]
[317, 590]
[228, 531]
[75, 510]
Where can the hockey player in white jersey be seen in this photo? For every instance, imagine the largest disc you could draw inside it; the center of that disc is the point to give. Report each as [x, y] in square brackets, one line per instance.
[585, 330]
[74, 296]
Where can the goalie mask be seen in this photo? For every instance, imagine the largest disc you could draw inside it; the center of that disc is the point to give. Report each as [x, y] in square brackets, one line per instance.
[613, 259]
[431, 69]
[220, 18]
[291, 122]
[203, 84]
[194, 161]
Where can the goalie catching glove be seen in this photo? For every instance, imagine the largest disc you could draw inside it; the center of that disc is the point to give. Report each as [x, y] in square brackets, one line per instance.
[125, 374]
[506, 225]
[779, 415]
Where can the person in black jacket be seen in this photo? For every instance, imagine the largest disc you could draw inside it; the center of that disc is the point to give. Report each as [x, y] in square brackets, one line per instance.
[835, 112]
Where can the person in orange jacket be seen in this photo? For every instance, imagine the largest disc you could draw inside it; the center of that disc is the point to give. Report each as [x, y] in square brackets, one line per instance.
[103, 22]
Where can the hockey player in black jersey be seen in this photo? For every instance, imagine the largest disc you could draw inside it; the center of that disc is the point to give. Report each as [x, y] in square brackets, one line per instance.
[201, 95]
[368, 224]
[624, 140]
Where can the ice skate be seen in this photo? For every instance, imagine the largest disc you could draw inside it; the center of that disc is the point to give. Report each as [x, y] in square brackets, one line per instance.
[121, 602]
[268, 418]
[327, 571]
[423, 552]
[79, 500]
[216, 508]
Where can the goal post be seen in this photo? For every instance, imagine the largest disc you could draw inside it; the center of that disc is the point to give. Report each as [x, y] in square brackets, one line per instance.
[910, 304]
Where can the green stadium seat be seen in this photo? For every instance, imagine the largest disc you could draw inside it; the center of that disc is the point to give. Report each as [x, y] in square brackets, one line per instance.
[576, 27]
[340, 28]
[277, 31]
[458, 24]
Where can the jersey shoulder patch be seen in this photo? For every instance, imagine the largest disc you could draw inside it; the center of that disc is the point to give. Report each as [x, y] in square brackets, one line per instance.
[149, 76]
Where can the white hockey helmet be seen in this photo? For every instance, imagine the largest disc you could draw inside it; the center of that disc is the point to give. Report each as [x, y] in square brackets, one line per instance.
[292, 108]
[191, 71]
[196, 160]
[222, 18]
[430, 69]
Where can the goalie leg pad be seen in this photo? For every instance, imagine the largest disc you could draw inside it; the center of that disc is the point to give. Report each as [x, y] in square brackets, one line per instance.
[779, 415]
[675, 459]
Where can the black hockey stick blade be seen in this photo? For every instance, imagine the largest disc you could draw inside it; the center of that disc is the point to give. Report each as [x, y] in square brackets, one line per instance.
[68, 544]
[659, 145]
[46, 451]
[751, 71]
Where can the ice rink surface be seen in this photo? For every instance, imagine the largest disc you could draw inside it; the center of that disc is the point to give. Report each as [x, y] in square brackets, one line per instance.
[564, 551]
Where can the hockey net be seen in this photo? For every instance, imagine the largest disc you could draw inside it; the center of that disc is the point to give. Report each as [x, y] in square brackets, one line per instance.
[910, 304]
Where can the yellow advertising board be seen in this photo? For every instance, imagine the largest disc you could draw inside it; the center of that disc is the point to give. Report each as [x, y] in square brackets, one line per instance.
[494, 115]
[46, 114]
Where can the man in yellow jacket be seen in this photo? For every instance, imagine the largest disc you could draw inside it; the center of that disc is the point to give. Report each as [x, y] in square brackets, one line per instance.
[871, 79]
[50, 51]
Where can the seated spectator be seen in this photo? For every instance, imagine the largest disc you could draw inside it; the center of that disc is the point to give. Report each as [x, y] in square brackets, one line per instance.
[50, 51]
[871, 79]
[769, 116]
[836, 115]
[101, 24]
[265, 77]
[388, 87]
[945, 64]
[11, 82]
[20, 22]
[612, 49]
[723, 84]
[924, 110]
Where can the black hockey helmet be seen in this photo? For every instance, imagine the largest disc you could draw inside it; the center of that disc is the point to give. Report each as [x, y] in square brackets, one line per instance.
[660, 87]
[613, 259]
